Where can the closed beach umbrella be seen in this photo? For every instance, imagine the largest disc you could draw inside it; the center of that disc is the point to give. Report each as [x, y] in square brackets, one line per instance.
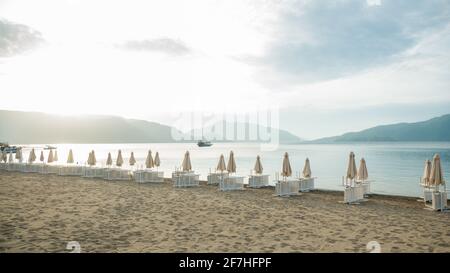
[286, 170]
[89, 160]
[94, 159]
[10, 158]
[157, 160]
[32, 156]
[186, 165]
[109, 160]
[307, 169]
[119, 160]
[426, 173]
[362, 171]
[70, 157]
[258, 166]
[221, 165]
[50, 157]
[351, 169]
[41, 158]
[436, 177]
[149, 160]
[231, 166]
[55, 156]
[132, 160]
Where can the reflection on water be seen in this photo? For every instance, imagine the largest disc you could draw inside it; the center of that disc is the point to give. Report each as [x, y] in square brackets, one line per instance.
[395, 167]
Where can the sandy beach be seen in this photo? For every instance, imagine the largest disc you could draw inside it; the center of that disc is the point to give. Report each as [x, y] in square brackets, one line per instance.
[42, 213]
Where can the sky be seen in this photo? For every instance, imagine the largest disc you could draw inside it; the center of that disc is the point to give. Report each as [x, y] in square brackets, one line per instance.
[327, 67]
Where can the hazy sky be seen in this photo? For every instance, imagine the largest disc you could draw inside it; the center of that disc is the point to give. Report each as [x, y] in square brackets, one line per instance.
[330, 66]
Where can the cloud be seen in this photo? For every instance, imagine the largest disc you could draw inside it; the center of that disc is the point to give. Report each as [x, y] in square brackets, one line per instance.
[418, 77]
[318, 40]
[16, 38]
[164, 45]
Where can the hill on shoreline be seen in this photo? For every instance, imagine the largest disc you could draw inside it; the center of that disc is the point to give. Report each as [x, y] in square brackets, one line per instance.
[435, 129]
[41, 128]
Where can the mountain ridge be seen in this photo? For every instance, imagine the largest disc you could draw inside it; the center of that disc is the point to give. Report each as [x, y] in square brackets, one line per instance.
[434, 129]
[17, 126]
[42, 128]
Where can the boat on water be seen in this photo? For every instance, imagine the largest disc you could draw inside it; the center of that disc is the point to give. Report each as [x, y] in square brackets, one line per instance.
[204, 143]
[49, 147]
[4, 147]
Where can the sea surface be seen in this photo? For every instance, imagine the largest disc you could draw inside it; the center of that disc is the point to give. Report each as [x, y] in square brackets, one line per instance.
[394, 167]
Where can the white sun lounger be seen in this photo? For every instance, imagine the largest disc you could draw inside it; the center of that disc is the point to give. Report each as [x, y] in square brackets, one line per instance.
[178, 173]
[50, 169]
[185, 179]
[15, 167]
[71, 170]
[232, 183]
[21, 167]
[287, 187]
[114, 174]
[216, 178]
[94, 172]
[7, 167]
[427, 193]
[148, 176]
[34, 168]
[366, 186]
[27, 168]
[354, 194]
[258, 180]
[43, 168]
[306, 184]
[438, 201]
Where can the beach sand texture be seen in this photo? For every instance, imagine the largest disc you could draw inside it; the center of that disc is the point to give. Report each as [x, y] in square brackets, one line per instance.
[42, 213]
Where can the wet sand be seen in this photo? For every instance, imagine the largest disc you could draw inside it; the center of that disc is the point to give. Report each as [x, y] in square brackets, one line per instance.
[42, 213]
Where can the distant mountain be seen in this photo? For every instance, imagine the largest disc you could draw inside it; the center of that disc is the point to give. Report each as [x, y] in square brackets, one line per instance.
[248, 132]
[435, 129]
[40, 128]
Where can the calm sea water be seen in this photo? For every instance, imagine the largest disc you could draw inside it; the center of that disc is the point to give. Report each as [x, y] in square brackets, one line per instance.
[395, 167]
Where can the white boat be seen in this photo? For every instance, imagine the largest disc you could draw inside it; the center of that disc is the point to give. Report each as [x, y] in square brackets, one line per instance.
[49, 147]
[4, 147]
[204, 143]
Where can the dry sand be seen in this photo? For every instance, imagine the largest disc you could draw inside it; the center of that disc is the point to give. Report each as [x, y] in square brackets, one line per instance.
[41, 213]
